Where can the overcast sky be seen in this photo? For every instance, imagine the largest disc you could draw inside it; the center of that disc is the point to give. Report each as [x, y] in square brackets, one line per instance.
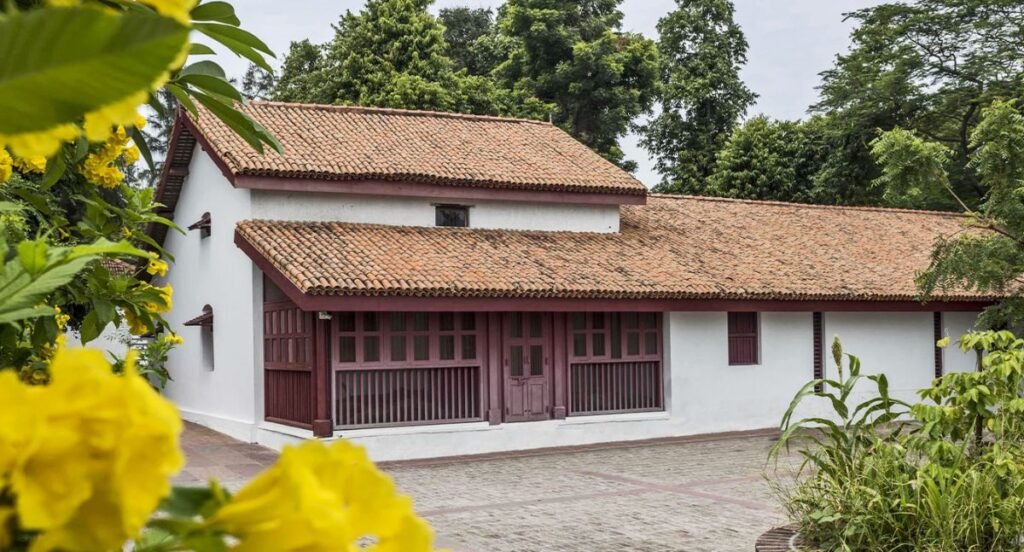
[791, 41]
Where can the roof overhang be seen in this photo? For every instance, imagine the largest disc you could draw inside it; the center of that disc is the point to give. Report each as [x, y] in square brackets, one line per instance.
[431, 191]
[340, 303]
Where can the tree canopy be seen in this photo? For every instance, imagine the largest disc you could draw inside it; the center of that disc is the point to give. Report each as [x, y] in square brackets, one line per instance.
[915, 169]
[931, 66]
[769, 159]
[702, 96]
[574, 55]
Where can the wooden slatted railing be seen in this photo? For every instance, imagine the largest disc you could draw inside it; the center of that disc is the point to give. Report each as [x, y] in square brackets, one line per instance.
[407, 396]
[615, 387]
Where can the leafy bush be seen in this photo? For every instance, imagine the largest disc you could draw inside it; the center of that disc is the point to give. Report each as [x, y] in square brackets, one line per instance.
[943, 474]
[87, 448]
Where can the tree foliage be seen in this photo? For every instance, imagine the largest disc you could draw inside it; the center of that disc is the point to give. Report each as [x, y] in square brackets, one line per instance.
[574, 55]
[930, 66]
[702, 96]
[393, 53]
[474, 42]
[988, 256]
[768, 159]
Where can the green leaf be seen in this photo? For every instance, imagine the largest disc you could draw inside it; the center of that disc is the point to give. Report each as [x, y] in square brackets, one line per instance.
[32, 255]
[91, 327]
[183, 98]
[246, 128]
[55, 168]
[216, 11]
[103, 246]
[60, 63]
[205, 67]
[28, 313]
[238, 41]
[140, 141]
[198, 49]
[187, 501]
[213, 85]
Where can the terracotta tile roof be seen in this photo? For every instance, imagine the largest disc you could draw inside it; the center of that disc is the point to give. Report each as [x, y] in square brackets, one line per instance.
[328, 142]
[671, 248]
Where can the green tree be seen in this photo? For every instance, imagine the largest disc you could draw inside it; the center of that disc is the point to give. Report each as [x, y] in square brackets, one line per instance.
[257, 83]
[474, 43]
[988, 256]
[301, 74]
[390, 54]
[702, 96]
[573, 54]
[930, 66]
[393, 54]
[771, 160]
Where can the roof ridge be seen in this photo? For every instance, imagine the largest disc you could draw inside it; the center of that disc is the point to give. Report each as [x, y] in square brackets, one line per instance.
[777, 203]
[397, 111]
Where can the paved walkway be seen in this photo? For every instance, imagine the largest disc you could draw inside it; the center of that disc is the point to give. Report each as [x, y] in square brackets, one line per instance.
[695, 496]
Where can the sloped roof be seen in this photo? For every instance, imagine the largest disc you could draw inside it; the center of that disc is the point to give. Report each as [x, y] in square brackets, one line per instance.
[329, 142]
[671, 248]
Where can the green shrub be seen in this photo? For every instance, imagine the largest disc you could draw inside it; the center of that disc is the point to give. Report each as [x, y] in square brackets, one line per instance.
[944, 474]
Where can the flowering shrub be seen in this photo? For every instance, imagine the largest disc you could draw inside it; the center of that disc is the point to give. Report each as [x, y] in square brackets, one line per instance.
[86, 460]
[87, 449]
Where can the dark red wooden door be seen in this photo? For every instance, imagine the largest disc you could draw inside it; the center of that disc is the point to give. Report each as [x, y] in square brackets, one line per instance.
[527, 366]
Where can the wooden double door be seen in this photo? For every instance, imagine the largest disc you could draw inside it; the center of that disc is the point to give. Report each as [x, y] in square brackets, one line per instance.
[527, 363]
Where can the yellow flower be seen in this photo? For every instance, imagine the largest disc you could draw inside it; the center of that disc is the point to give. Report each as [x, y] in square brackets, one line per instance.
[43, 143]
[131, 154]
[5, 165]
[166, 293]
[99, 124]
[135, 326]
[157, 267]
[35, 164]
[139, 122]
[942, 343]
[177, 9]
[322, 498]
[61, 318]
[174, 339]
[94, 457]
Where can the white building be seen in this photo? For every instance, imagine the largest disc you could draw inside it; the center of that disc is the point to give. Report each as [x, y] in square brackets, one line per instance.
[434, 284]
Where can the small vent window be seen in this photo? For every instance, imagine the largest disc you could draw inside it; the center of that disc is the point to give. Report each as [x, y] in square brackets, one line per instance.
[452, 215]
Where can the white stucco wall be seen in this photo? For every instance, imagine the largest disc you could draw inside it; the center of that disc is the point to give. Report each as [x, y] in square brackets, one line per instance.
[213, 271]
[709, 395]
[408, 211]
[900, 344]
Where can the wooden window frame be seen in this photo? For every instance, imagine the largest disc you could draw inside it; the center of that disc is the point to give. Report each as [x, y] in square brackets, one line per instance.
[755, 335]
[385, 333]
[438, 207]
[652, 326]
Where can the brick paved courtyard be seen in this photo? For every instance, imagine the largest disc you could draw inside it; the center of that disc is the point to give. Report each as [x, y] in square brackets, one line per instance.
[703, 495]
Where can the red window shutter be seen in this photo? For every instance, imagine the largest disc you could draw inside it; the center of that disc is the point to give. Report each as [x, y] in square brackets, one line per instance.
[743, 338]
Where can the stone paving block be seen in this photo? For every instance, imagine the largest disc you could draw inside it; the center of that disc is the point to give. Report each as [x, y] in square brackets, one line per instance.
[703, 496]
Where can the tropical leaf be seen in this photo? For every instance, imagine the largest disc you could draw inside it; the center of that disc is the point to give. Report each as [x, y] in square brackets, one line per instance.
[60, 63]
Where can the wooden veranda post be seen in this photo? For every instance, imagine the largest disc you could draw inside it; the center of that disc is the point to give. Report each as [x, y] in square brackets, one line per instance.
[322, 424]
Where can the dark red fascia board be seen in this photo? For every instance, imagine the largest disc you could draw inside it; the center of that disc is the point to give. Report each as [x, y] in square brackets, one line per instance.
[407, 189]
[334, 303]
